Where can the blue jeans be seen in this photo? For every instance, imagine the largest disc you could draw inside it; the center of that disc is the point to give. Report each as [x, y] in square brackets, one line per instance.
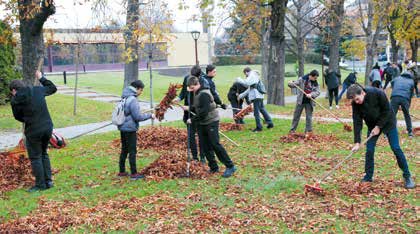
[259, 107]
[345, 86]
[395, 146]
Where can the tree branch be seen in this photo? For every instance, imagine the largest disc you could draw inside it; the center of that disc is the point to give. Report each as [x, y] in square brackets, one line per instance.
[47, 9]
[291, 49]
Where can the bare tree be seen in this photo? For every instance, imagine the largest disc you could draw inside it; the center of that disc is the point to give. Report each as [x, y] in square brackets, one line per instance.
[336, 16]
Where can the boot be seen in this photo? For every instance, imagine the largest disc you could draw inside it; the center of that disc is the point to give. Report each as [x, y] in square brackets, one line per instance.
[409, 183]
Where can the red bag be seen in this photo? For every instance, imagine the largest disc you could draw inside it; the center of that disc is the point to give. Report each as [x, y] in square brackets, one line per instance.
[57, 141]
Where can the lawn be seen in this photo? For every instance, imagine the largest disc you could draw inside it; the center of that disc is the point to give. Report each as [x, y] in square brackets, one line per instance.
[112, 82]
[61, 110]
[265, 195]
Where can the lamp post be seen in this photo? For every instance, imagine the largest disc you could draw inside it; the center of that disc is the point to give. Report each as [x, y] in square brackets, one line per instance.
[195, 35]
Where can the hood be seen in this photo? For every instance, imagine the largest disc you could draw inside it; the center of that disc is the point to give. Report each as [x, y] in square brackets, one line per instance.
[129, 91]
[23, 96]
[407, 75]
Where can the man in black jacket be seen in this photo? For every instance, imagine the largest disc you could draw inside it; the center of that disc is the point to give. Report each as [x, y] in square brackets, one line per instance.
[29, 107]
[188, 98]
[209, 76]
[372, 106]
[207, 117]
[234, 91]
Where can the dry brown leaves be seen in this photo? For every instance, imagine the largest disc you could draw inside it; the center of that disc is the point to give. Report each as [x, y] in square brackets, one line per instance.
[416, 131]
[172, 165]
[231, 127]
[309, 137]
[166, 102]
[245, 111]
[159, 139]
[15, 171]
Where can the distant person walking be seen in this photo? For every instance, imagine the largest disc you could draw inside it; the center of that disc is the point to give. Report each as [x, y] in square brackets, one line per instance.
[375, 77]
[350, 79]
[332, 82]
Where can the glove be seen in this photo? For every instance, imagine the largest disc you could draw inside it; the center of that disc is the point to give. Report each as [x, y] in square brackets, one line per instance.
[223, 106]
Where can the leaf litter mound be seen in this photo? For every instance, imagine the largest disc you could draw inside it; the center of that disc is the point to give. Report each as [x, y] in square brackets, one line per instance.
[15, 171]
[231, 127]
[309, 137]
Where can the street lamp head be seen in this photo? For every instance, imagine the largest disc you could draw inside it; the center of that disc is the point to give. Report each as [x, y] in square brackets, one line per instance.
[195, 35]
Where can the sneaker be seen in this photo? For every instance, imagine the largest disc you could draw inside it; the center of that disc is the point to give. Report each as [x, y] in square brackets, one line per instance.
[229, 172]
[330, 107]
[366, 180]
[270, 126]
[49, 184]
[337, 106]
[122, 174]
[35, 189]
[410, 134]
[136, 176]
[257, 130]
[292, 132]
[409, 183]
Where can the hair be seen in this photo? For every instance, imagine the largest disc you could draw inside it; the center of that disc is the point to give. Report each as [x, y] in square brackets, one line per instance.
[246, 70]
[16, 84]
[210, 68]
[376, 66]
[193, 80]
[138, 84]
[353, 90]
[195, 71]
[314, 73]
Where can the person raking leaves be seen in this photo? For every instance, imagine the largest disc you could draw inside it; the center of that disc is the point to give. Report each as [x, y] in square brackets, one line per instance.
[371, 105]
[29, 107]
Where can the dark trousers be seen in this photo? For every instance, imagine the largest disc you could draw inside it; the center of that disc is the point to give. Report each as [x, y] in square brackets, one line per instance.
[386, 83]
[192, 132]
[238, 105]
[377, 84]
[309, 109]
[344, 88]
[393, 140]
[333, 93]
[40, 162]
[416, 88]
[128, 147]
[396, 102]
[209, 135]
[259, 108]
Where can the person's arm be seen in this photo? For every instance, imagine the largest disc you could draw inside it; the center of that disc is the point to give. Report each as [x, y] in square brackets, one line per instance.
[215, 94]
[357, 124]
[17, 112]
[384, 109]
[315, 92]
[203, 108]
[244, 94]
[135, 111]
[183, 94]
[293, 84]
[49, 87]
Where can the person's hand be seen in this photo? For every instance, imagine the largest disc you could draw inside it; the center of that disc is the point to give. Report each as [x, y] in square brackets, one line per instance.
[292, 84]
[189, 121]
[375, 131]
[223, 106]
[356, 147]
[153, 116]
[185, 108]
[38, 75]
[176, 101]
[308, 95]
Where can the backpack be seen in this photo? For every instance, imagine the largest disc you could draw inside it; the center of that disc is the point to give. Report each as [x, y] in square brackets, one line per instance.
[118, 115]
[261, 88]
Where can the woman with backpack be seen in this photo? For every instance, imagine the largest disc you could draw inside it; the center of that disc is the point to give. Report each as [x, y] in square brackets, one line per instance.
[255, 94]
[129, 127]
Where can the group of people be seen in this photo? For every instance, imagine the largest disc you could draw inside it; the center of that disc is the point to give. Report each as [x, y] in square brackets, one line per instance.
[201, 101]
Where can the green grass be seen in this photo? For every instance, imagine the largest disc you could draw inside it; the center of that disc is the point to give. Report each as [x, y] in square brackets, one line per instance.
[266, 178]
[61, 110]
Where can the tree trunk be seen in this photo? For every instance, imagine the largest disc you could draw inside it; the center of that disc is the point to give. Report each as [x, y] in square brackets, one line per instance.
[277, 53]
[31, 35]
[414, 45]
[131, 67]
[394, 48]
[301, 57]
[369, 60]
[337, 15]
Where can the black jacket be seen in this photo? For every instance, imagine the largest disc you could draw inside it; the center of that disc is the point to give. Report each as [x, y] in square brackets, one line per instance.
[236, 88]
[29, 106]
[183, 94]
[375, 111]
[332, 80]
[350, 79]
[213, 90]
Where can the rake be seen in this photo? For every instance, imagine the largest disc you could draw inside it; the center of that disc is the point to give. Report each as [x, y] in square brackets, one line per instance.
[315, 188]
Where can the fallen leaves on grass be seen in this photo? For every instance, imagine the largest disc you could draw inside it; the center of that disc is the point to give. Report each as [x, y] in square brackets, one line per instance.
[15, 171]
[172, 165]
[231, 127]
[309, 137]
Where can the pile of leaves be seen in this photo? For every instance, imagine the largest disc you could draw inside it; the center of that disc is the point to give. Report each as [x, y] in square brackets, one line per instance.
[159, 139]
[309, 137]
[166, 102]
[15, 171]
[416, 131]
[231, 127]
[172, 165]
[245, 111]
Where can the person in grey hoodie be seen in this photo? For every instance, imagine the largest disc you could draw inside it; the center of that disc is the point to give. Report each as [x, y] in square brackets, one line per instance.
[375, 77]
[402, 91]
[128, 129]
[310, 86]
[255, 97]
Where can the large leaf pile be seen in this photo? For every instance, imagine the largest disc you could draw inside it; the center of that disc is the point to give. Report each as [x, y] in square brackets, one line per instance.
[15, 171]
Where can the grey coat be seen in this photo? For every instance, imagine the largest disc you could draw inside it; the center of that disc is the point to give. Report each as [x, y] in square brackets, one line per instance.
[132, 111]
[402, 86]
[301, 83]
